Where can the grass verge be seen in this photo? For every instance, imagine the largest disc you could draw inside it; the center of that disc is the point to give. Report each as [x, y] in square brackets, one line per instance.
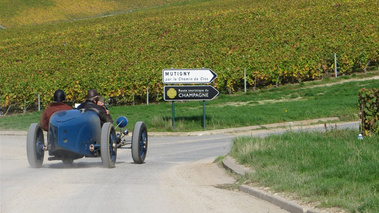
[332, 169]
[280, 104]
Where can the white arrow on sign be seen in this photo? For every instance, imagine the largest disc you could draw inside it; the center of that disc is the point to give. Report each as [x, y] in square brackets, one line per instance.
[188, 76]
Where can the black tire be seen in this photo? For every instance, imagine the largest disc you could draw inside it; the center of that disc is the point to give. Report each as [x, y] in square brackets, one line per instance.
[139, 142]
[108, 145]
[67, 161]
[34, 145]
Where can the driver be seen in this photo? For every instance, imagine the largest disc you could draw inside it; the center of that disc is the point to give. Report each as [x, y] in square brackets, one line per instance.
[56, 106]
[93, 103]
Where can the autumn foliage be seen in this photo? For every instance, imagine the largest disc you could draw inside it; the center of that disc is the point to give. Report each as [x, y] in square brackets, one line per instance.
[368, 103]
[123, 55]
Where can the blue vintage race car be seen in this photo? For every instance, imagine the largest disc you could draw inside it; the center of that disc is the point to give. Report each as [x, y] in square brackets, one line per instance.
[75, 134]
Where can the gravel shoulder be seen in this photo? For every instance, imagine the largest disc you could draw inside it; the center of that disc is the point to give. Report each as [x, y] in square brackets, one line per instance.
[199, 182]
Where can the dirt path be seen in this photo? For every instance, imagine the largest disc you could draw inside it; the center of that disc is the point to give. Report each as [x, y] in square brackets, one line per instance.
[288, 99]
[198, 184]
[344, 81]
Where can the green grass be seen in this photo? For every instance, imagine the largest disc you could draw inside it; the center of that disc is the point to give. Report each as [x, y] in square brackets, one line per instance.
[287, 103]
[332, 169]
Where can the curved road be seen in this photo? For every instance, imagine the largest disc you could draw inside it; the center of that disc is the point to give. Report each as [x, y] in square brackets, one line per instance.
[178, 176]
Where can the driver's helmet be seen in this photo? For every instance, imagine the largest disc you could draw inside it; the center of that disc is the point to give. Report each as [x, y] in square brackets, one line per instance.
[59, 96]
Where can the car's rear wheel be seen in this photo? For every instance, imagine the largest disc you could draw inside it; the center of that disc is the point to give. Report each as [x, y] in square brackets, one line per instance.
[34, 145]
[139, 142]
[67, 161]
[108, 145]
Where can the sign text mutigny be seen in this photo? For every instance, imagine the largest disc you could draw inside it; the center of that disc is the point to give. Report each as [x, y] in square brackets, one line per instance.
[188, 76]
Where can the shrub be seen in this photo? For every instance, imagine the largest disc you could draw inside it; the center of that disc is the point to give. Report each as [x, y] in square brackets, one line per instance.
[369, 106]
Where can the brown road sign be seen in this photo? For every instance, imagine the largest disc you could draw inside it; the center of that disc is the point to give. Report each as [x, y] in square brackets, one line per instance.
[190, 93]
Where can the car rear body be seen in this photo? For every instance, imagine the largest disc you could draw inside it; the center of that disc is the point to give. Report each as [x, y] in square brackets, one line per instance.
[72, 133]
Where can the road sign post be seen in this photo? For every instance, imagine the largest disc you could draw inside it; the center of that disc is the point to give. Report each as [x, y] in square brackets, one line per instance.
[173, 114]
[189, 93]
[204, 123]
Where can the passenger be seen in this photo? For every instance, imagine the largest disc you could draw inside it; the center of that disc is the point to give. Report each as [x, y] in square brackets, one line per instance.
[56, 106]
[95, 104]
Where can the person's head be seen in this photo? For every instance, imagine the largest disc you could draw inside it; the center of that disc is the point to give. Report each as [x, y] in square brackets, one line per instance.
[93, 95]
[59, 96]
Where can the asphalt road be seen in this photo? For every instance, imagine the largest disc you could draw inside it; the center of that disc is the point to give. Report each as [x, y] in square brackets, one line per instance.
[178, 176]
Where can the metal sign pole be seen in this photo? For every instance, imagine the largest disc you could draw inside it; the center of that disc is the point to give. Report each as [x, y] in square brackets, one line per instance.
[173, 115]
[147, 96]
[39, 102]
[204, 115]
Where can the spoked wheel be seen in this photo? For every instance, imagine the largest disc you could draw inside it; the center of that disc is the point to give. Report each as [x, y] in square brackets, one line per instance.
[34, 145]
[139, 142]
[108, 145]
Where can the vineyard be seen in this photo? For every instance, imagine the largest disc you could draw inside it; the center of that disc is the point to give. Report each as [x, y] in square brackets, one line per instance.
[277, 42]
[17, 13]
